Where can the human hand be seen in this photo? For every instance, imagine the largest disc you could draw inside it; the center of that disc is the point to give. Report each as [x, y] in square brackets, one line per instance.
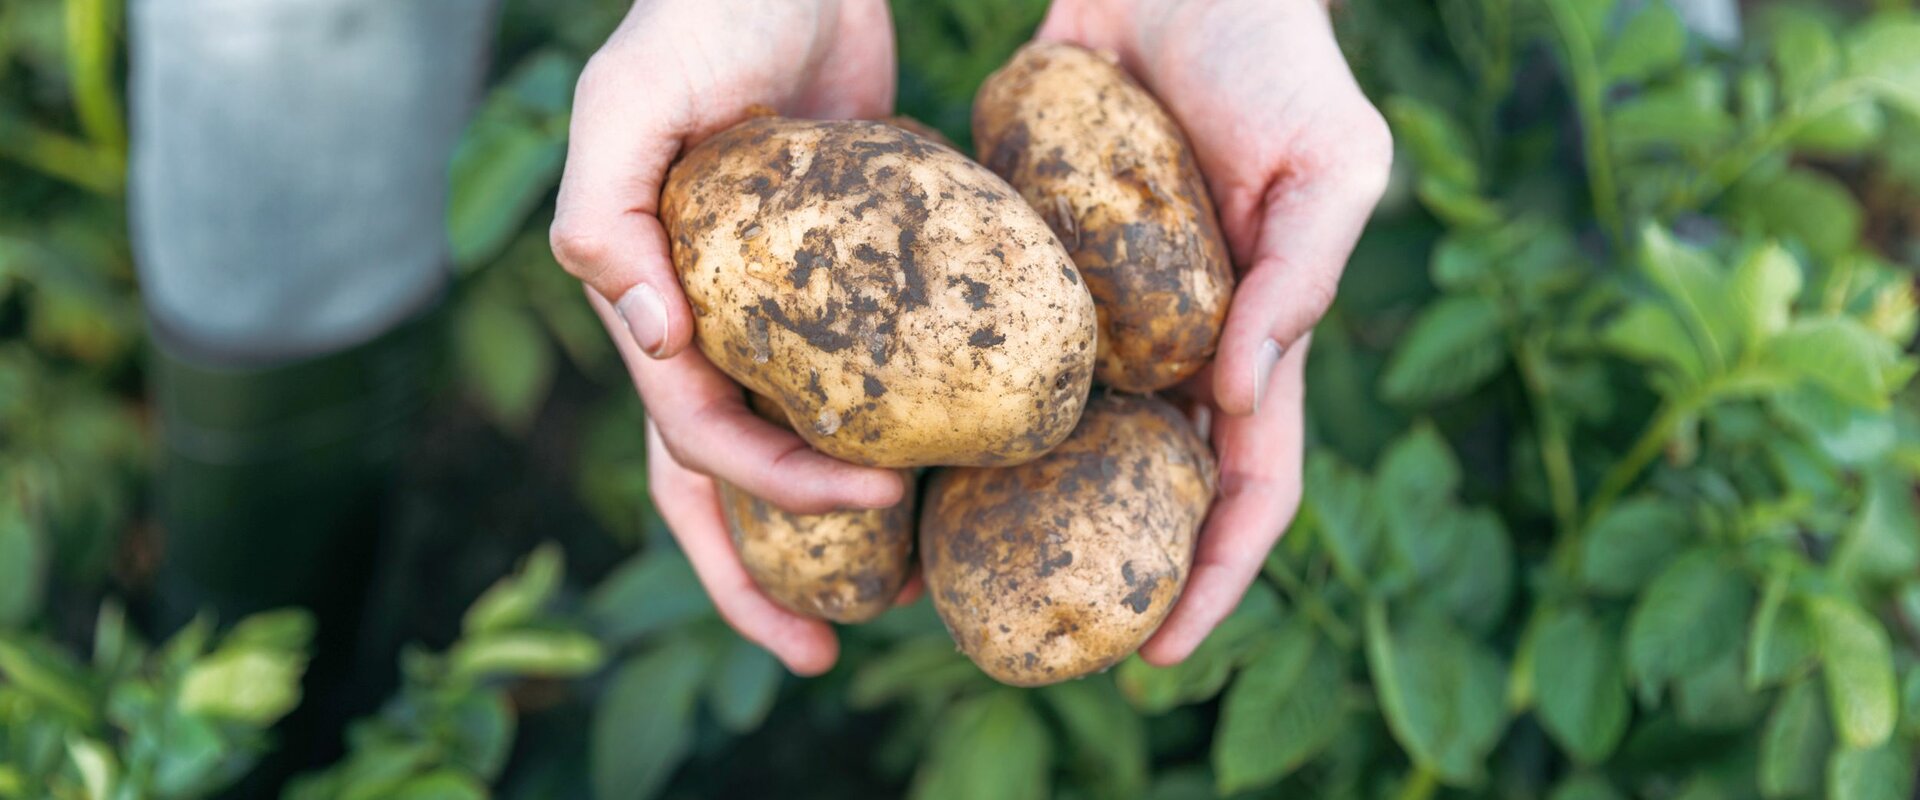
[675, 72]
[1295, 157]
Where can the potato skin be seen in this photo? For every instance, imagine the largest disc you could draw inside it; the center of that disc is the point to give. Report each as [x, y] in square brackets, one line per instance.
[899, 301]
[1062, 566]
[1113, 175]
[841, 566]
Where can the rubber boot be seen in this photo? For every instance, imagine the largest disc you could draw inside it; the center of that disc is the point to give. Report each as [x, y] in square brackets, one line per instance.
[273, 490]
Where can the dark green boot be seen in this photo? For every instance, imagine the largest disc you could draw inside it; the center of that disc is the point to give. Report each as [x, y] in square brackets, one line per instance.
[273, 491]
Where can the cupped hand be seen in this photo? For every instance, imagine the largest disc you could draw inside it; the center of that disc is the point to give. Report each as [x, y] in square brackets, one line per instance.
[675, 72]
[1295, 157]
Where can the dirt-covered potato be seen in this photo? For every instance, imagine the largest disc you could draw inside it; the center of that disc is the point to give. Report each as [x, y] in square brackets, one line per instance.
[1062, 566]
[841, 566]
[899, 301]
[1106, 166]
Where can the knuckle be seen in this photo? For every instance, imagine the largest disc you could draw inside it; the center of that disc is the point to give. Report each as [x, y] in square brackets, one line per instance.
[578, 249]
[1370, 152]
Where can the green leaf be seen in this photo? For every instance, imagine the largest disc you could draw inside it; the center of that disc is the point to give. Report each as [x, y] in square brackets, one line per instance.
[1580, 685]
[1886, 51]
[1781, 645]
[1910, 704]
[504, 360]
[23, 562]
[1884, 543]
[1652, 334]
[1689, 616]
[1415, 485]
[988, 746]
[1848, 130]
[1454, 346]
[288, 629]
[1716, 698]
[1108, 740]
[1794, 744]
[928, 665]
[1695, 285]
[502, 169]
[1806, 206]
[1652, 42]
[743, 690]
[1440, 691]
[1806, 53]
[518, 598]
[1457, 206]
[1348, 520]
[1283, 711]
[1879, 773]
[1478, 577]
[1585, 786]
[251, 685]
[442, 784]
[643, 727]
[1857, 663]
[1843, 433]
[649, 593]
[1439, 144]
[1842, 357]
[1631, 543]
[533, 653]
[479, 732]
[99, 770]
[1688, 115]
[1765, 285]
[1159, 689]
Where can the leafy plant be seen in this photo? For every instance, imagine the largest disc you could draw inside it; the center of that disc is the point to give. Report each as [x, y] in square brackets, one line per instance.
[185, 719]
[449, 730]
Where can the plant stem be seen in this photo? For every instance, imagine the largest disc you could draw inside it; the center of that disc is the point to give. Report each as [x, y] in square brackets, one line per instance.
[1555, 454]
[1310, 602]
[1583, 71]
[1420, 785]
[1728, 168]
[95, 169]
[1639, 456]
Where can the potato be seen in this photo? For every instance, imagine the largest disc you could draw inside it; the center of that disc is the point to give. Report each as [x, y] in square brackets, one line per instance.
[1112, 173]
[899, 302]
[841, 566]
[1062, 566]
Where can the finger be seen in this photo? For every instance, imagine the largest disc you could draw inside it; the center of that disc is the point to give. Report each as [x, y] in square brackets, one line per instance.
[911, 590]
[1309, 222]
[606, 226]
[854, 78]
[1260, 459]
[710, 429]
[690, 505]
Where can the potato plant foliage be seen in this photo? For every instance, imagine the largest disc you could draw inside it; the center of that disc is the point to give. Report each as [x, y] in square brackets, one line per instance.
[1610, 492]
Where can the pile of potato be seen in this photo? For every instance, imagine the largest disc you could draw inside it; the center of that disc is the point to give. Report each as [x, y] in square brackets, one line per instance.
[899, 305]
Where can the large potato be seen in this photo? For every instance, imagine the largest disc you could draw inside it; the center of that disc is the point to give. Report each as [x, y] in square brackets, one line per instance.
[899, 301]
[841, 566]
[1112, 173]
[1064, 565]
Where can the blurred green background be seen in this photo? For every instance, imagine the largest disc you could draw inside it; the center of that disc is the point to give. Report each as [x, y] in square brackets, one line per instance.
[1611, 492]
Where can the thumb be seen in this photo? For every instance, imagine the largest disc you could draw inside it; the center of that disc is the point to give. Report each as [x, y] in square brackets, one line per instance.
[1308, 227]
[606, 225]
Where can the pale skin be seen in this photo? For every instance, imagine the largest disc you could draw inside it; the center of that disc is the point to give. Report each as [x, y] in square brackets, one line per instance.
[1294, 156]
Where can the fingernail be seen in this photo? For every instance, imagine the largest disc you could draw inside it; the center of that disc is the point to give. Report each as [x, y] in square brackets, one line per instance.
[1263, 370]
[646, 316]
